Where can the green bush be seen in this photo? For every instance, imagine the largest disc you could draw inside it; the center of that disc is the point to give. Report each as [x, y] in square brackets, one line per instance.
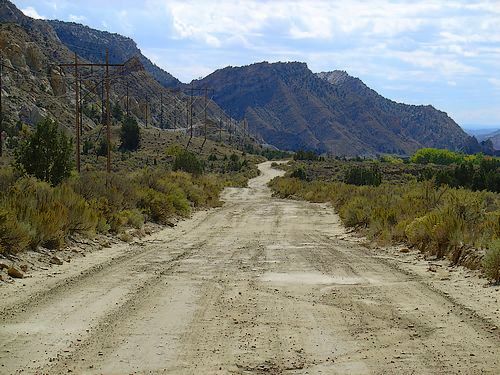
[363, 176]
[34, 204]
[299, 173]
[305, 155]
[356, 212]
[7, 179]
[188, 162]
[126, 218]
[174, 149]
[81, 218]
[102, 148]
[134, 217]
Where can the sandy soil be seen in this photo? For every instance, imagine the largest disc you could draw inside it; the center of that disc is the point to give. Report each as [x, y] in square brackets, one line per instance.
[260, 285]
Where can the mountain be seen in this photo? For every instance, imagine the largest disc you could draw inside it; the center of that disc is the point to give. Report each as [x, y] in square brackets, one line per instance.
[91, 45]
[293, 108]
[478, 131]
[493, 136]
[34, 84]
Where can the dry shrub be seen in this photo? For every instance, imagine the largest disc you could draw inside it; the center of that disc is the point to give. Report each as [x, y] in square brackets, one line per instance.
[134, 217]
[33, 213]
[81, 216]
[156, 205]
[356, 212]
[491, 262]
[437, 220]
[34, 203]
[7, 179]
[14, 236]
[48, 214]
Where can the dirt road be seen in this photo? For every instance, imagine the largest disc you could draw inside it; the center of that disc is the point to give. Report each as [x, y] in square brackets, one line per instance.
[260, 285]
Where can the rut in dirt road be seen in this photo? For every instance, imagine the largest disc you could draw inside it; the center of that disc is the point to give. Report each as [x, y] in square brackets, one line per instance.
[260, 285]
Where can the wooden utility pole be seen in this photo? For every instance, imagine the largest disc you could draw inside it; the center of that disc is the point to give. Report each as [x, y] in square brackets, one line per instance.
[204, 120]
[81, 105]
[1, 111]
[187, 113]
[103, 120]
[190, 117]
[106, 83]
[77, 115]
[127, 103]
[108, 116]
[146, 111]
[230, 127]
[161, 110]
[220, 130]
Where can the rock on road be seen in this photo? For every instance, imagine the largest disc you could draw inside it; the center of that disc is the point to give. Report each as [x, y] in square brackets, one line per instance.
[260, 285]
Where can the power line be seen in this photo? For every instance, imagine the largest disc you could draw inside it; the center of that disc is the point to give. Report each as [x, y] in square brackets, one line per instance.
[76, 65]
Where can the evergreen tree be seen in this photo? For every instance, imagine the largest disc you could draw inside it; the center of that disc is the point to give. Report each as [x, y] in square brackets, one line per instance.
[46, 154]
[130, 134]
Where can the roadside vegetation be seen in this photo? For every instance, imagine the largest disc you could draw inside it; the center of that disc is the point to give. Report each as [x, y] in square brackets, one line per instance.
[440, 217]
[43, 201]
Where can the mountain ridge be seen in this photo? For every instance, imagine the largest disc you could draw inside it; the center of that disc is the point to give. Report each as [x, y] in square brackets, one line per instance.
[89, 42]
[292, 107]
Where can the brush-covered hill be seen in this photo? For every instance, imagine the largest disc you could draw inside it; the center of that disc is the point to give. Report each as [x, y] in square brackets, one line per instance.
[293, 108]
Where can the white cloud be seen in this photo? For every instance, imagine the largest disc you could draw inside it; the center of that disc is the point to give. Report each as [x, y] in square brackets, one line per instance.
[297, 19]
[78, 19]
[31, 12]
[494, 81]
[445, 64]
[126, 24]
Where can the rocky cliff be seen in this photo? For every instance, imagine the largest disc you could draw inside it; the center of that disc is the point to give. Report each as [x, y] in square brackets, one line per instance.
[91, 44]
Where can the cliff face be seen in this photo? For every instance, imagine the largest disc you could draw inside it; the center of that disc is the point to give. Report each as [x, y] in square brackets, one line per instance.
[293, 108]
[91, 44]
[34, 84]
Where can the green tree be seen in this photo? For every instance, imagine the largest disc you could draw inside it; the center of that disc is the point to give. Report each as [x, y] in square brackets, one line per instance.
[436, 156]
[130, 134]
[46, 154]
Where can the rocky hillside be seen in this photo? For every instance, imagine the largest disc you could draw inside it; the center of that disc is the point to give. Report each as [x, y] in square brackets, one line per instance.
[34, 85]
[91, 44]
[293, 108]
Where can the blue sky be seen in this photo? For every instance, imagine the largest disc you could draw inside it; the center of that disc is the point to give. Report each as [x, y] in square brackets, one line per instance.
[444, 53]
